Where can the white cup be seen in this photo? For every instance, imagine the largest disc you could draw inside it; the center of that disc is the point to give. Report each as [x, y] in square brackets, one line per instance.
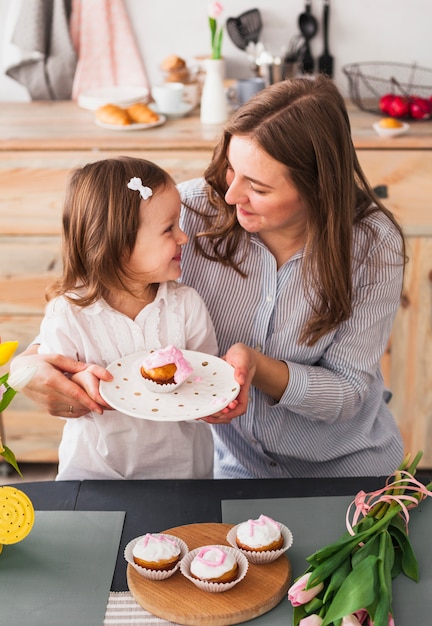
[168, 97]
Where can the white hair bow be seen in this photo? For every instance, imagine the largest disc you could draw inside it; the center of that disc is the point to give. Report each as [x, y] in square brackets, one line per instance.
[136, 185]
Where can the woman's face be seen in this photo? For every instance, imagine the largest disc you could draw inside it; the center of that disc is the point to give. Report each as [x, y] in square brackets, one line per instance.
[157, 252]
[266, 200]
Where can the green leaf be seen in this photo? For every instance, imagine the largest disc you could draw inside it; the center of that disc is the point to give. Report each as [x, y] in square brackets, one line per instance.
[10, 458]
[320, 555]
[356, 592]
[370, 547]
[408, 560]
[299, 613]
[337, 579]
[7, 398]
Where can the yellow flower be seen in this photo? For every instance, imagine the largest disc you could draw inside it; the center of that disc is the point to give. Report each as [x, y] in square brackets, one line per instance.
[7, 350]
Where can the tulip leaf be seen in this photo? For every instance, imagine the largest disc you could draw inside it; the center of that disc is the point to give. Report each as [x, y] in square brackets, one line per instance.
[7, 398]
[356, 592]
[370, 547]
[10, 458]
[408, 559]
[299, 612]
[337, 579]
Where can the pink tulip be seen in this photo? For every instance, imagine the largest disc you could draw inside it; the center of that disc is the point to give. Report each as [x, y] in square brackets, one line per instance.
[215, 9]
[350, 620]
[361, 615]
[298, 594]
[311, 620]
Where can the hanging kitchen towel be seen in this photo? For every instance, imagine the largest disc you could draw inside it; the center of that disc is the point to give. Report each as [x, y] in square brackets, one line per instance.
[107, 52]
[40, 54]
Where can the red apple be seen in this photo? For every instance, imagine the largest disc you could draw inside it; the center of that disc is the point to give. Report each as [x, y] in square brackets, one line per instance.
[399, 107]
[385, 102]
[420, 108]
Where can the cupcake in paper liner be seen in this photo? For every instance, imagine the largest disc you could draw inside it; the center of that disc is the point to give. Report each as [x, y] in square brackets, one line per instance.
[158, 550]
[262, 540]
[165, 370]
[207, 563]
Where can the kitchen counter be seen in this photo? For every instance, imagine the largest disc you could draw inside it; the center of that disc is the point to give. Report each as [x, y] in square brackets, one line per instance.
[65, 126]
[40, 142]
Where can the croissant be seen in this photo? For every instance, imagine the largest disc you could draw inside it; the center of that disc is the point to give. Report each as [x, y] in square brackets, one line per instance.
[140, 113]
[113, 114]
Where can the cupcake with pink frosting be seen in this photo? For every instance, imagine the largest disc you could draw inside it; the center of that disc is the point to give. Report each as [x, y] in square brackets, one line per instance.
[165, 369]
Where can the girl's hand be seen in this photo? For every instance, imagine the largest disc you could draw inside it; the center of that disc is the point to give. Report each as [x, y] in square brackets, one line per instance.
[54, 392]
[242, 358]
[89, 380]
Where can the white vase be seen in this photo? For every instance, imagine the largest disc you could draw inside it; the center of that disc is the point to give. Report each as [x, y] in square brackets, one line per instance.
[214, 109]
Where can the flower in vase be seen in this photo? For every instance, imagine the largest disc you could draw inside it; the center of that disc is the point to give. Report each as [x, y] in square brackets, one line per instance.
[214, 11]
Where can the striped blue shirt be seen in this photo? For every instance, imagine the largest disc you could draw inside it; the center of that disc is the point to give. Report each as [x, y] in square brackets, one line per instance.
[333, 419]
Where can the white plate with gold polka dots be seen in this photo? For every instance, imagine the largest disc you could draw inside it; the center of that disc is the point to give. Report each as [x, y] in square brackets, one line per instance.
[209, 389]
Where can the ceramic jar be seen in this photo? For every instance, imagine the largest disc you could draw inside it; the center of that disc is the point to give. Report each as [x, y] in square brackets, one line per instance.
[214, 109]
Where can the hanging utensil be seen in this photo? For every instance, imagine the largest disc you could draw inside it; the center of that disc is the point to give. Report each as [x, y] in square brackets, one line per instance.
[245, 28]
[235, 31]
[325, 61]
[308, 28]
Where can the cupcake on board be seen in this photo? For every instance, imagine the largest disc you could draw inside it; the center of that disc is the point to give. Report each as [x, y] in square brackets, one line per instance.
[261, 540]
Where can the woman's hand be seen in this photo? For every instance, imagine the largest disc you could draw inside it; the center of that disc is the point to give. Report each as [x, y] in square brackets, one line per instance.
[242, 358]
[52, 390]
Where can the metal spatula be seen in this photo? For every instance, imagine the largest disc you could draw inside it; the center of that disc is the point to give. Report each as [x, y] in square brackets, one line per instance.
[245, 28]
[325, 62]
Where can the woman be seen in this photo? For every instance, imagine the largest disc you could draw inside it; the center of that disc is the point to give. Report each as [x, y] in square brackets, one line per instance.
[301, 268]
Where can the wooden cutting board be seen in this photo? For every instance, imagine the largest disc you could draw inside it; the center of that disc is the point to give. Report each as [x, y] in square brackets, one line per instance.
[177, 599]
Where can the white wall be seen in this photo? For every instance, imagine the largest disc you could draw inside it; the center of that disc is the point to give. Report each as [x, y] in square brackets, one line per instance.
[360, 30]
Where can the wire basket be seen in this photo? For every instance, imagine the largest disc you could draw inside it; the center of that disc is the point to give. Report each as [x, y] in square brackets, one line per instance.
[368, 82]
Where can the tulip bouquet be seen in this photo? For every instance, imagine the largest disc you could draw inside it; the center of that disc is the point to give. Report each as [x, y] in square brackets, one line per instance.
[214, 10]
[349, 582]
[9, 386]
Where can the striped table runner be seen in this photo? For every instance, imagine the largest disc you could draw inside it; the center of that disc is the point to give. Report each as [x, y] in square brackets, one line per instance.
[123, 610]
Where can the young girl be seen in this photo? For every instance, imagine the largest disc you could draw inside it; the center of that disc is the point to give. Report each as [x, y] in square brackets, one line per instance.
[121, 257]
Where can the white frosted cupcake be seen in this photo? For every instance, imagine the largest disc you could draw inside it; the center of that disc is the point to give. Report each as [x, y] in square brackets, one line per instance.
[261, 540]
[214, 568]
[156, 555]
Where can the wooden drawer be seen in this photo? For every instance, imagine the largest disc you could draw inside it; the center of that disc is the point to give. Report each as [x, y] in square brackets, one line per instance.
[407, 175]
[33, 183]
[410, 363]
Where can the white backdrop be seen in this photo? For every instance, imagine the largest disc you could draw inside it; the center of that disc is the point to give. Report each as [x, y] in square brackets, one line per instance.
[360, 30]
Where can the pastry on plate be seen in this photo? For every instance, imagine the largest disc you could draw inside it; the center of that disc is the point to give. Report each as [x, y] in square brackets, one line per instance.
[113, 114]
[214, 564]
[166, 366]
[172, 63]
[156, 551]
[140, 113]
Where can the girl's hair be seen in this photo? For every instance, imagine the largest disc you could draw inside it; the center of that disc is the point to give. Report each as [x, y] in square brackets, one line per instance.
[101, 217]
[303, 124]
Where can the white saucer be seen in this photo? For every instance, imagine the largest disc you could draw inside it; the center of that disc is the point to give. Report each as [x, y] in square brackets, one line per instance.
[122, 96]
[185, 109]
[391, 132]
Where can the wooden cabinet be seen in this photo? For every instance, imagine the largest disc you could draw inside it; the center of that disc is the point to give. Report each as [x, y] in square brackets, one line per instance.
[40, 142]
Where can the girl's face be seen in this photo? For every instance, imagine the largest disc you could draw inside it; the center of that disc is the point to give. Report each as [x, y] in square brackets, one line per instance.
[157, 252]
[266, 200]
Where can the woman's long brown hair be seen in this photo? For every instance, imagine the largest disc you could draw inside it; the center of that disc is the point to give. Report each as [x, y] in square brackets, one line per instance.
[303, 124]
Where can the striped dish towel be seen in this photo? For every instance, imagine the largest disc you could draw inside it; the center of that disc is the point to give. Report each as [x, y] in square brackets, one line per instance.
[123, 610]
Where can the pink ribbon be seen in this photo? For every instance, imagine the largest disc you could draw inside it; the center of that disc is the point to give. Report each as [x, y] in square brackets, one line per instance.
[364, 502]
